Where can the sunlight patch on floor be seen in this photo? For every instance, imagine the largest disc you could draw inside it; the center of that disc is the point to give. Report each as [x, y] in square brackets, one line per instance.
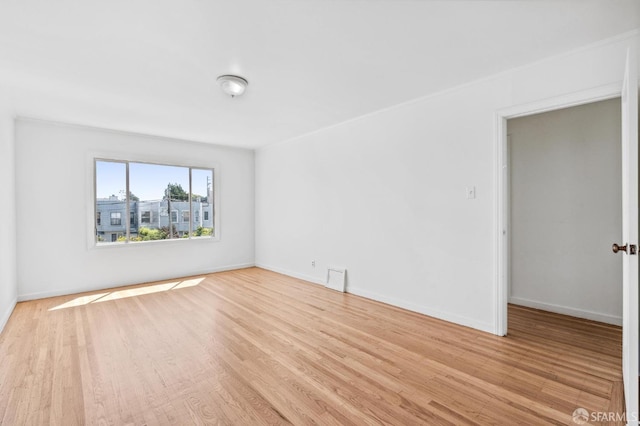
[130, 292]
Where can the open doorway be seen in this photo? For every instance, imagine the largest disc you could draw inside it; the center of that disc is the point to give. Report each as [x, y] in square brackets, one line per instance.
[626, 243]
[564, 211]
[561, 211]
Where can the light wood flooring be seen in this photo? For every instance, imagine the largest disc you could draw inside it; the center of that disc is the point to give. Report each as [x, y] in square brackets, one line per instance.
[253, 347]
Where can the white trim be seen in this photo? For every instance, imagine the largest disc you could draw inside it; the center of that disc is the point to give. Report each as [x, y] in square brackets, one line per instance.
[310, 278]
[500, 189]
[424, 310]
[5, 317]
[459, 320]
[148, 159]
[66, 292]
[500, 226]
[565, 310]
[567, 100]
[110, 245]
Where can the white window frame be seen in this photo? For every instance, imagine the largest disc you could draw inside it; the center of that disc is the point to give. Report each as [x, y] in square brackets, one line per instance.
[93, 157]
[111, 218]
[142, 212]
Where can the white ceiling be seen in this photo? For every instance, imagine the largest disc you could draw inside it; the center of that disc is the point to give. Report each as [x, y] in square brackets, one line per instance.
[150, 66]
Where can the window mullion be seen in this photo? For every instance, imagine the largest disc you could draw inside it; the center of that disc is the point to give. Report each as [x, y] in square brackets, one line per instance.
[128, 205]
[190, 206]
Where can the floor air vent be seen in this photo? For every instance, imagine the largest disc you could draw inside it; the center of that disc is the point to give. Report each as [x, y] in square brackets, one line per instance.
[336, 278]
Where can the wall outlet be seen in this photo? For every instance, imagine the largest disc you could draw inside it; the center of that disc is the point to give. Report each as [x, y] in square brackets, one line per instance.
[313, 263]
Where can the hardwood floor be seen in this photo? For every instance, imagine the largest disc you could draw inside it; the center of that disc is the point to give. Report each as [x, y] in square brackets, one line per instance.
[253, 347]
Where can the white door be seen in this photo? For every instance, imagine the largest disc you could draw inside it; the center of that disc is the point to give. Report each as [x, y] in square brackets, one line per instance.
[630, 237]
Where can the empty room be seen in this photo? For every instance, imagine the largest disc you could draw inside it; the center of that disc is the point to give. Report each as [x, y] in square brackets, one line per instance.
[339, 212]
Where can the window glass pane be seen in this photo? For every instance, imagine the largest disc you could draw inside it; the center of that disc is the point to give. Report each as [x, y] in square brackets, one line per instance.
[202, 202]
[159, 193]
[111, 182]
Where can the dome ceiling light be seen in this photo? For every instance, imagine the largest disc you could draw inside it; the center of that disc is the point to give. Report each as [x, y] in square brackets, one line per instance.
[232, 85]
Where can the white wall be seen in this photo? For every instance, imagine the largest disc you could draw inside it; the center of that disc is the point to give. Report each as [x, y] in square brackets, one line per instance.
[54, 178]
[8, 282]
[566, 211]
[384, 195]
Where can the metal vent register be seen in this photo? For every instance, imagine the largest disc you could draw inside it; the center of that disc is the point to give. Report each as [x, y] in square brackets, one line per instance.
[336, 278]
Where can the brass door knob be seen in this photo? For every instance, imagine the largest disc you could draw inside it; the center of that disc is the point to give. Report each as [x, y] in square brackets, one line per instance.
[616, 248]
[633, 249]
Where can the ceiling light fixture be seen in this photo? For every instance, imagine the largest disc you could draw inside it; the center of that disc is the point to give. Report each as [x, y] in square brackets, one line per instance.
[232, 85]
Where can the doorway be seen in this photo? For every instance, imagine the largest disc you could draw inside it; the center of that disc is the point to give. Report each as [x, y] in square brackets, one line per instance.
[501, 179]
[565, 210]
[628, 244]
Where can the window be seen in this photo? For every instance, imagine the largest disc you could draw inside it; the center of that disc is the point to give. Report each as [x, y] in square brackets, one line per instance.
[163, 201]
[116, 218]
[145, 217]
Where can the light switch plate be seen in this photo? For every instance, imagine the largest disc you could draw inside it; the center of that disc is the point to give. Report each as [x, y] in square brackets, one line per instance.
[471, 192]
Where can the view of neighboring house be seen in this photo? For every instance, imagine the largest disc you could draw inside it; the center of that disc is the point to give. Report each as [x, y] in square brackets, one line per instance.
[111, 214]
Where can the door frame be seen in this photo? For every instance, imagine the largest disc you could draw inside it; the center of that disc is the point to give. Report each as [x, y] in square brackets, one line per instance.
[501, 182]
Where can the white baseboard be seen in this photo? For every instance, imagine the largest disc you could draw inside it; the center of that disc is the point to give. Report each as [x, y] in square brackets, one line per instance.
[565, 310]
[468, 322]
[310, 278]
[5, 315]
[66, 292]
[410, 306]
